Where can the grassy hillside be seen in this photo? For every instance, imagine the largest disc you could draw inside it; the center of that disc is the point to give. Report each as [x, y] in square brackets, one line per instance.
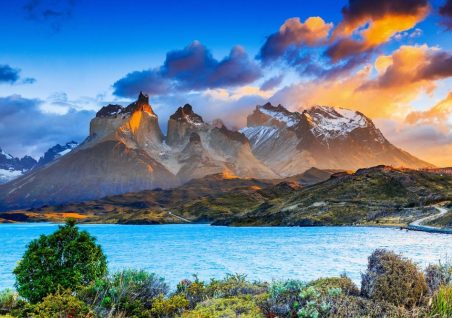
[374, 196]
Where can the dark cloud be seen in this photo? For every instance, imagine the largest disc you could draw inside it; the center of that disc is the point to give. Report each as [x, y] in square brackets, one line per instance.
[446, 12]
[11, 75]
[357, 10]
[413, 64]
[192, 68]
[294, 33]
[25, 129]
[51, 12]
[368, 24]
[272, 83]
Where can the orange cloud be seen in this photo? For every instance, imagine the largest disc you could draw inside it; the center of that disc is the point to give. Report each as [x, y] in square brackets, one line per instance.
[374, 23]
[401, 78]
[314, 31]
[439, 115]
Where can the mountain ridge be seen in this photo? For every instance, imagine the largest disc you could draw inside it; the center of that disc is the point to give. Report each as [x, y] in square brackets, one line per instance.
[130, 152]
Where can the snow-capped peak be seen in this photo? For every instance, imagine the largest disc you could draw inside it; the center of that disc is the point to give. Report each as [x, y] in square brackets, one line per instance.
[7, 155]
[332, 122]
[280, 114]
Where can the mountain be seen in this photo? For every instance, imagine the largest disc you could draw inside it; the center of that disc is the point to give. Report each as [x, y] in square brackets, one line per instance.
[206, 199]
[126, 151]
[12, 167]
[322, 137]
[56, 152]
[376, 195]
[379, 195]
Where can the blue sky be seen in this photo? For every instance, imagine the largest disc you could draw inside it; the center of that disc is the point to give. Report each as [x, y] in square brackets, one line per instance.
[70, 54]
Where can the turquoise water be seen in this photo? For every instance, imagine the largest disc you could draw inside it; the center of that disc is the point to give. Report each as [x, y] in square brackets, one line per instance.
[178, 251]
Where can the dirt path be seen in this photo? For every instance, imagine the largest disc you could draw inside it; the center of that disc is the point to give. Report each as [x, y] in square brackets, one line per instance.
[417, 225]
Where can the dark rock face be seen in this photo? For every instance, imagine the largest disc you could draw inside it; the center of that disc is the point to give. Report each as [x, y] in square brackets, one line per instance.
[186, 114]
[56, 152]
[109, 111]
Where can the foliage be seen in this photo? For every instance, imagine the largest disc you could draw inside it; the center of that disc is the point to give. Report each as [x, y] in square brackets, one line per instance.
[61, 304]
[243, 307]
[442, 303]
[68, 258]
[169, 307]
[394, 279]
[234, 285]
[129, 292]
[8, 301]
[437, 275]
[194, 291]
[346, 285]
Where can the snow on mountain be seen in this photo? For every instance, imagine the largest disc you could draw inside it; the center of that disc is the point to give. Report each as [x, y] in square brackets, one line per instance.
[56, 152]
[259, 134]
[280, 114]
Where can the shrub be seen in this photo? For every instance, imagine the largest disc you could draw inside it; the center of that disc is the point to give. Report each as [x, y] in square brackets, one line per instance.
[8, 301]
[129, 292]
[234, 285]
[68, 258]
[392, 278]
[243, 307]
[346, 285]
[194, 291]
[347, 306]
[437, 275]
[61, 305]
[169, 307]
[442, 303]
[283, 298]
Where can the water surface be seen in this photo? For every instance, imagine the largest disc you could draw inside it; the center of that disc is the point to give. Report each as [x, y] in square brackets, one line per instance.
[262, 253]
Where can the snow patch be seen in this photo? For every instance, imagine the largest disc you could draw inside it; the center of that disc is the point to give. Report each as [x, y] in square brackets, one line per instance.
[331, 123]
[290, 119]
[259, 134]
[7, 175]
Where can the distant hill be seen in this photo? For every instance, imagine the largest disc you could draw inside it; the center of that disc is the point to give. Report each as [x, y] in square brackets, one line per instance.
[373, 196]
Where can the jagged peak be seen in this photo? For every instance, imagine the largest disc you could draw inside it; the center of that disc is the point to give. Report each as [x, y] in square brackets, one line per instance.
[186, 114]
[113, 110]
[277, 113]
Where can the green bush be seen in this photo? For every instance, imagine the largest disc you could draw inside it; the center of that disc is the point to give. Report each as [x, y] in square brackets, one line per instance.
[394, 279]
[234, 285]
[169, 307]
[442, 303]
[8, 301]
[346, 285]
[437, 275]
[129, 293]
[60, 305]
[194, 291]
[68, 258]
[233, 307]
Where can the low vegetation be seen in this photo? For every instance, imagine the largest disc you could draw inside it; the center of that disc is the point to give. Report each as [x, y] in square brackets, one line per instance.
[392, 286]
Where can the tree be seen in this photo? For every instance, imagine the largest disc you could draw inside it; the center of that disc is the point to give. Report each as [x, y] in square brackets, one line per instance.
[66, 259]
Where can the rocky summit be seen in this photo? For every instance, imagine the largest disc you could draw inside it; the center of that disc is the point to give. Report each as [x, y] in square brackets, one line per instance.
[127, 151]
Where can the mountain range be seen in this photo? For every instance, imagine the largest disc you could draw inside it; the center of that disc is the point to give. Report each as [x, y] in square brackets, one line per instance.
[12, 167]
[126, 151]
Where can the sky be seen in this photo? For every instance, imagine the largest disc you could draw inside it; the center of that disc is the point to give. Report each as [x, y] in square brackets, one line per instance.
[62, 60]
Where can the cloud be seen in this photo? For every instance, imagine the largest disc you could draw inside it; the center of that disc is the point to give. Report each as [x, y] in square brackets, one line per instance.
[52, 12]
[400, 78]
[294, 33]
[446, 12]
[410, 66]
[272, 82]
[368, 24]
[424, 140]
[192, 68]
[26, 129]
[8, 74]
[440, 115]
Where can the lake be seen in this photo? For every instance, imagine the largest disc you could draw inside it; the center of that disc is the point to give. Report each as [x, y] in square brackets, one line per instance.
[262, 253]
